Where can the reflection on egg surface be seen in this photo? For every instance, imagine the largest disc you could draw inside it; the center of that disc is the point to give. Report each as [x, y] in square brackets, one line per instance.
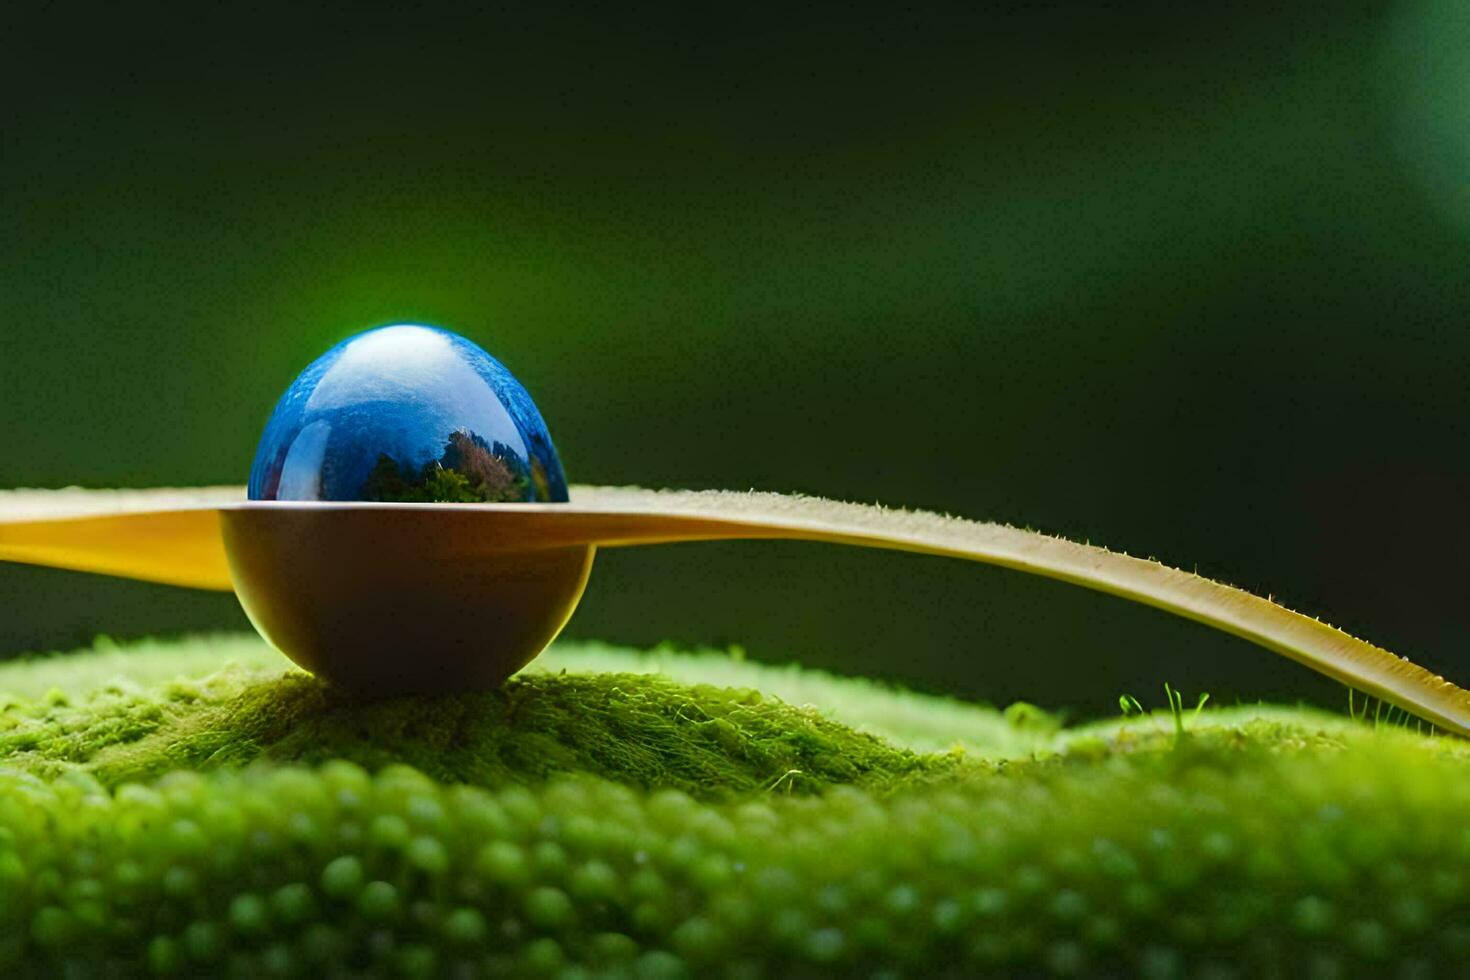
[407, 413]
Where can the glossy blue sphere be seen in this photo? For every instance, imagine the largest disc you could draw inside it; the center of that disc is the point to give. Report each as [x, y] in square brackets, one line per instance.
[407, 413]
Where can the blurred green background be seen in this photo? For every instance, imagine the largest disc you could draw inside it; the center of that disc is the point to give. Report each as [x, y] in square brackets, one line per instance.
[1187, 280]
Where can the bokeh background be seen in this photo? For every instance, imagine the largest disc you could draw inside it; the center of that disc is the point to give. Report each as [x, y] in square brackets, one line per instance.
[1189, 280]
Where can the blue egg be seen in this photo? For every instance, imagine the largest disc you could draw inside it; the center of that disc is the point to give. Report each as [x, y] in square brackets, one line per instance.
[407, 413]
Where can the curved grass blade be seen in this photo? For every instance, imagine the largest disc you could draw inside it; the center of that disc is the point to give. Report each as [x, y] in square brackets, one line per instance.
[172, 536]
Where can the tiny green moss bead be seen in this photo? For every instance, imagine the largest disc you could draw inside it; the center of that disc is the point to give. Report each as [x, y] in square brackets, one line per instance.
[138, 797]
[379, 944]
[248, 914]
[659, 964]
[343, 877]
[180, 881]
[91, 915]
[987, 948]
[543, 955]
[415, 960]
[1141, 899]
[1114, 860]
[1447, 884]
[1370, 938]
[1326, 966]
[610, 948]
[503, 863]
[1065, 958]
[948, 916]
[12, 870]
[697, 938]
[203, 942]
[482, 815]
[293, 904]
[302, 828]
[1103, 931]
[185, 836]
[581, 832]
[465, 927]
[225, 860]
[426, 812]
[1411, 913]
[277, 960]
[1190, 929]
[342, 774]
[550, 859]
[1068, 906]
[322, 943]
[164, 955]
[1218, 845]
[683, 851]
[428, 855]
[1455, 937]
[421, 913]
[672, 808]
[53, 927]
[350, 836]
[790, 924]
[548, 908]
[1161, 962]
[389, 830]
[1393, 874]
[127, 875]
[711, 871]
[1031, 880]
[646, 883]
[902, 899]
[378, 902]
[349, 801]
[521, 805]
[48, 881]
[651, 917]
[594, 881]
[1312, 916]
[122, 928]
[734, 909]
[400, 780]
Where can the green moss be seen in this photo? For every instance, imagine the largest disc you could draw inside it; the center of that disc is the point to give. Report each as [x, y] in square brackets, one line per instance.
[639, 728]
[250, 822]
[921, 723]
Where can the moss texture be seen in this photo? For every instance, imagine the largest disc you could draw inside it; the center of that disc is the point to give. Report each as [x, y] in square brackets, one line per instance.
[622, 814]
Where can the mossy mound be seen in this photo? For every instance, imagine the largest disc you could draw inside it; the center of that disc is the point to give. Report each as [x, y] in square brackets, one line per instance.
[638, 728]
[249, 822]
